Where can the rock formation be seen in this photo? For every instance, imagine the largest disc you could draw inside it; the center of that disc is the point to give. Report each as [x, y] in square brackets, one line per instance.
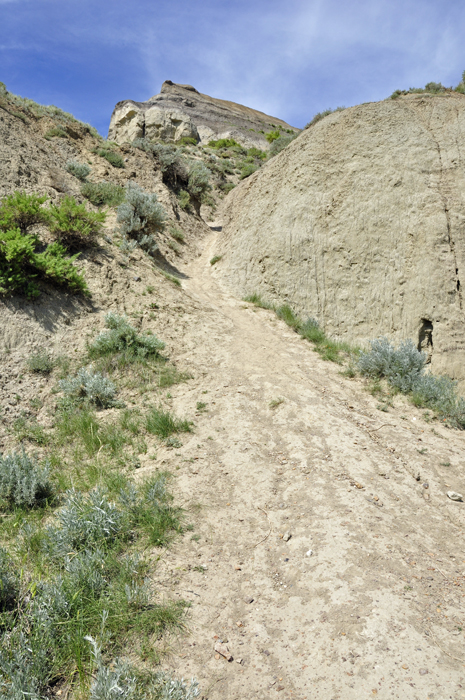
[180, 110]
[360, 223]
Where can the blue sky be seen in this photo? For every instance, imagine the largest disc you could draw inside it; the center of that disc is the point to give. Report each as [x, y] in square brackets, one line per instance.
[289, 58]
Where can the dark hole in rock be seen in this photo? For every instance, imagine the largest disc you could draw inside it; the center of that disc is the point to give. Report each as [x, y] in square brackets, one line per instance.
[425, 338]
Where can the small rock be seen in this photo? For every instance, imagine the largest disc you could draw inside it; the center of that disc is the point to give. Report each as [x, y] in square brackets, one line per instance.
[287, 536]
[454, 496]
[239, 623]
[423, 671]
[309, 553]
[238, 568]
[239, 661]
[359, 486]
[224, 651]
[217, 656]
[426, 486]
[248, 600]
[418, 477]
[136, 278]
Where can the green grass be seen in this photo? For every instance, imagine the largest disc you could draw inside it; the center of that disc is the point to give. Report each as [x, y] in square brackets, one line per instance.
[215, 259]
[40, 362]
[101, 193]
[56, 131]
[171, 278]
[98, 588]
[30, 430]
[328, 349]
[163, 423]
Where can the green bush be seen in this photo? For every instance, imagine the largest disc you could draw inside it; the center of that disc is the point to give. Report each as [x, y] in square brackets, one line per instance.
[87, 585]
[247, 170]
[226, 186]
[100, 193]
[187, 141]
[113, 158]
[404, 368]
[123, 341]
[21, 210]
[20, 263]
[91, 386]
[58, 131]
[401, 367]
[321, 115]
[257, 153]
[184, 200]
[40, 362]
[73, 226]
[224, 143]
[281, 143]
[79, 170]
[140, 216]
[55, 267]
[9, 583]
[272, 136]
[176, 233]
[199, 181]
[23, 482]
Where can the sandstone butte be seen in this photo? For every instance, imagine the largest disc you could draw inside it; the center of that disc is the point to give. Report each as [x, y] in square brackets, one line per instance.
[180, 111]
[360, 223]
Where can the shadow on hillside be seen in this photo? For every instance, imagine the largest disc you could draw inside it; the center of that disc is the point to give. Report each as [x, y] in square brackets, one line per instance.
[53, 309]
[166, 266]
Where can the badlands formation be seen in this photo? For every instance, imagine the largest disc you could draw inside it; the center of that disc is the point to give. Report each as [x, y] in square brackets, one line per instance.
[320, 556]
[181, 111]
[360, 223]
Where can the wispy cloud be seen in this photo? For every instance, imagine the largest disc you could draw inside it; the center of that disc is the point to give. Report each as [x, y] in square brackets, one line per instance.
[288, 59]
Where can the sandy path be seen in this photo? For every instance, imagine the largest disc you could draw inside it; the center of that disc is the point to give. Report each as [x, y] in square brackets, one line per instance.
[378, 607]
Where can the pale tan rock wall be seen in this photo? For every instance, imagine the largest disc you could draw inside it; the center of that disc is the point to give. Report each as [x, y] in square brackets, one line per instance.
[360, 223]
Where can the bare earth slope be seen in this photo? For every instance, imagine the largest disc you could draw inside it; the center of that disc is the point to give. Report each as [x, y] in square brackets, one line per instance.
[360, 223]
[377, 609]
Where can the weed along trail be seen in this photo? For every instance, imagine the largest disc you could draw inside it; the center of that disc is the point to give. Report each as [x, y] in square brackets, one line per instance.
[326, 559]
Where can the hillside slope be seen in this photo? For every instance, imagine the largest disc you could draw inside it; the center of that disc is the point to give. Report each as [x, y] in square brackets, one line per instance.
[360, 223]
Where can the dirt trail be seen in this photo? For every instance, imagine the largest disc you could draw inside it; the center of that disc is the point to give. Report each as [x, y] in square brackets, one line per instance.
[366, 597]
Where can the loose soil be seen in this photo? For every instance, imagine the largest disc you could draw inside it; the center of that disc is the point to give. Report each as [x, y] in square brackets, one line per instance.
[366, 597]
[325, 553]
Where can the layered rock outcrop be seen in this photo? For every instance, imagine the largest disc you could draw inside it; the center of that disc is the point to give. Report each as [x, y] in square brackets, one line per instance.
[180, 110]
[360, 223]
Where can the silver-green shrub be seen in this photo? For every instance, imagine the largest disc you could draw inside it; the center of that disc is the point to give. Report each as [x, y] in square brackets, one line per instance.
[402, 367]
[23, 482]
[9, 582]
[124, 339]
[18, 671]
[84, 523]
[199, 180]
[279, 144]
[116, 683]
[79, 170]
[90, 385]
[140, 216]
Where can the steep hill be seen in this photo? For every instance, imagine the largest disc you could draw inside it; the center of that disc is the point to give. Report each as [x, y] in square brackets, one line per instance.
[360, 223]
[181, 111]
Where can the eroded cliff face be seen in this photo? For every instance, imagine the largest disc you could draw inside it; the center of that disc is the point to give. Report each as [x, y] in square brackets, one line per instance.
[181, 111]
[360, 223]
